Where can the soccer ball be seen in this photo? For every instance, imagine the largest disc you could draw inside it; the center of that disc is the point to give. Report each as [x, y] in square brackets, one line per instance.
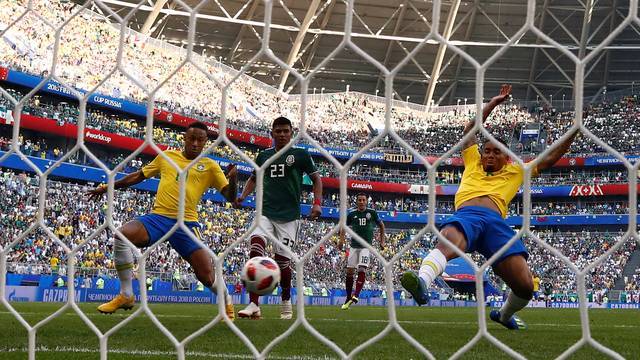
[260, 275]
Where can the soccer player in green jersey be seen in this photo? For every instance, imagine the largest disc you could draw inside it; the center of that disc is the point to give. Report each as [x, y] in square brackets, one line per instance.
[281, 208]
[362, 221]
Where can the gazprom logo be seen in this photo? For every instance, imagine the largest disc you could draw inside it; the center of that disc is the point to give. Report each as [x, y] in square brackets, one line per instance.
[13, 297]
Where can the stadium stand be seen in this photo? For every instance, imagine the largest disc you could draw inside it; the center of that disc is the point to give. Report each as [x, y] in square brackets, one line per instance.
[80, 67]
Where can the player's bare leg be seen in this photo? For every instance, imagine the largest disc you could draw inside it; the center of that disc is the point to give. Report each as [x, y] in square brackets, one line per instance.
[433, 265]
[200, 261]
[252, 311]
[349, 286]
[284, 263]
[123, 259]
[515, 272]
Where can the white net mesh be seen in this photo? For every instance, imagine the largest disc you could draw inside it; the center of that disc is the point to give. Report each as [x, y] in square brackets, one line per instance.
[224, 83]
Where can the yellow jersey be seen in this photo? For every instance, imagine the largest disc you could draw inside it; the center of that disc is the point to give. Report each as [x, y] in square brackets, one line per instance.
[500, 186]
[203, 175]
[536, 283]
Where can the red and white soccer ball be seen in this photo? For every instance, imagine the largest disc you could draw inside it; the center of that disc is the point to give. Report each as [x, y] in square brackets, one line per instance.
[260, 275]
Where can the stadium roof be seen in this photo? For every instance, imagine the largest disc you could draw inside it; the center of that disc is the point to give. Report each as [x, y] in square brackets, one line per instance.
[389, 29]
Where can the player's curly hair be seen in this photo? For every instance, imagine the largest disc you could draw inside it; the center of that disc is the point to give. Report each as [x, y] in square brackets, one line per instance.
[502, 141]
[197, 125]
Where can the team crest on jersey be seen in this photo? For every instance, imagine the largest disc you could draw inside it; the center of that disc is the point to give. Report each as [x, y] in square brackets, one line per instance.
[368, 216]
[200, 167]
[290, 160]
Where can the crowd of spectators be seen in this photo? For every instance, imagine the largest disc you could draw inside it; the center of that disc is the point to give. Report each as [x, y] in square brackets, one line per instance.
[633, 282]
[74, 219]
[96, 119]
[581, 248]
[64, 112]
[89, 44]
[411, 204]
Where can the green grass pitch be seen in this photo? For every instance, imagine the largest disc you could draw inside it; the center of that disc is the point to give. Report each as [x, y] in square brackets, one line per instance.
[441, 330]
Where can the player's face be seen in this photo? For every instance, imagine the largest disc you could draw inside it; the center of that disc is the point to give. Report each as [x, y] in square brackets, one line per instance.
[282, 135]
[493, 159]
[194, 141]
[361, 202]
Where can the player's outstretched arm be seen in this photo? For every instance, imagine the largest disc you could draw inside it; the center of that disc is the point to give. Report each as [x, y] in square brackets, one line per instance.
[316, 210]
[125, 182]
[230, 192]
[557, 153]
[505, 91]
[248, 189]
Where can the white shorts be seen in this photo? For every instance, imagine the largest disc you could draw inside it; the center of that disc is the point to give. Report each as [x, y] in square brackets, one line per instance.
[358, 257]
[284, 232]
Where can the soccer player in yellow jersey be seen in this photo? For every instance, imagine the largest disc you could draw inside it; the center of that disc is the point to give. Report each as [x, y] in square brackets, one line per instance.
[54, 264]
[536, 287]
[489, 183]
[148, 229]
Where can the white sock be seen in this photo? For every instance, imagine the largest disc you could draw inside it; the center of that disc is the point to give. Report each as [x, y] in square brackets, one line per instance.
[432, 266]
[126, 280]
[123, 258]
[514, 303]
[227, 298]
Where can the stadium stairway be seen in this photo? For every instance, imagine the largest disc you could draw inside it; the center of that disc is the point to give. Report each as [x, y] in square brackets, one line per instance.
[629, 269]
[443, 284]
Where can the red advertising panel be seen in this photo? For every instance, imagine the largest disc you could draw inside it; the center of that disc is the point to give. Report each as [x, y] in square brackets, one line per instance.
[91, 135]
[569, 162]
[586, 190]
[233, 134]
[4, 72]
[377, 186]
[600, 190]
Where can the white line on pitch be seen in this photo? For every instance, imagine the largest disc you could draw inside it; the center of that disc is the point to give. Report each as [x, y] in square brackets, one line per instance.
[427, 322]
[62, 349]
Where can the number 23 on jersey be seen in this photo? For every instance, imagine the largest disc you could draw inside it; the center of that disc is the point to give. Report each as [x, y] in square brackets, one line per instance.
[277, 170]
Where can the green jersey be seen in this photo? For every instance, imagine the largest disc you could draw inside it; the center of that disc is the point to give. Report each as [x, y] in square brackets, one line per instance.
[283, 182]
[363, 223]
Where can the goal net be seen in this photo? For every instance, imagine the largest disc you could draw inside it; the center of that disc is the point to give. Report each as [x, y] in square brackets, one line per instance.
[195, 68]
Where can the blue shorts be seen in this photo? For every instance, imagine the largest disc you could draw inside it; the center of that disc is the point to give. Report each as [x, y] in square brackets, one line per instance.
[157, 226]
[486, 232]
